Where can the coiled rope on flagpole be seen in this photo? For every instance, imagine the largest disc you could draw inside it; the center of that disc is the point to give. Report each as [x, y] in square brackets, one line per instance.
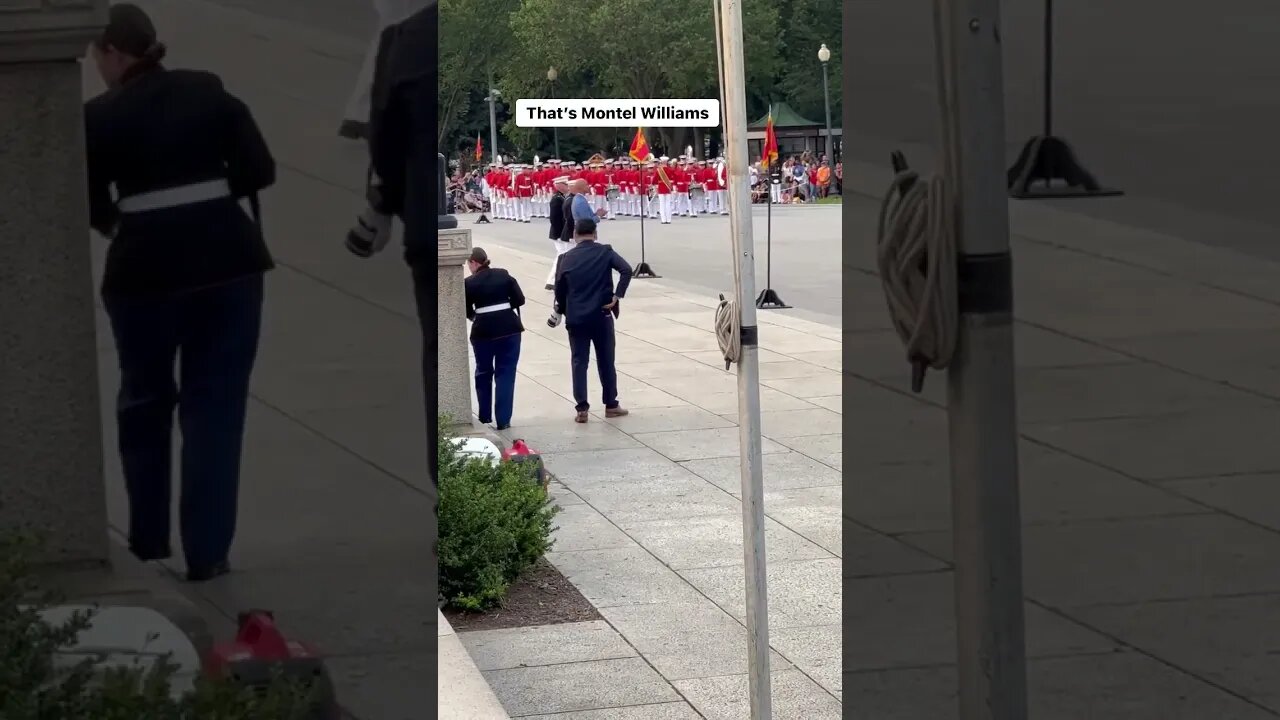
[916, 257]
[729, 331]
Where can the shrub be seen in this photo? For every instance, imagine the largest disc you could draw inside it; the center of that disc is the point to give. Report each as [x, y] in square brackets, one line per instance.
[495, 522]
[34, 687]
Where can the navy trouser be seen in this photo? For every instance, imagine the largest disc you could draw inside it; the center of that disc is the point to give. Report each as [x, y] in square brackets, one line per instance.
[598, 333]
[212, 335]
[496, 362]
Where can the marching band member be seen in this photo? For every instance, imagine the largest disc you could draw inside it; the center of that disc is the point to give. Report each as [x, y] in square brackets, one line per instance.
[666, 186]
[524, 194]
[611, 185]
[650, 185]
[680, 181]
[706, 176]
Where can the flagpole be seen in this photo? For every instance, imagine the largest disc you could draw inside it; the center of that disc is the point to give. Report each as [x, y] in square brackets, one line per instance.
[769, 299]
[642, 271]
[748, 354]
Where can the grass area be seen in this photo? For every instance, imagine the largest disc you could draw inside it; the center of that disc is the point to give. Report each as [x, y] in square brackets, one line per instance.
[830, 200]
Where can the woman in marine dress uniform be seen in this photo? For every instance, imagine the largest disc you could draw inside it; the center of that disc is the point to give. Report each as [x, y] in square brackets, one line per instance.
[170, 155]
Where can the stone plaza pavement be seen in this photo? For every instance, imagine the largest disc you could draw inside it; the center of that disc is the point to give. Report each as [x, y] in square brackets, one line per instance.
[1148, 392]
[651, 527]
[334, 483]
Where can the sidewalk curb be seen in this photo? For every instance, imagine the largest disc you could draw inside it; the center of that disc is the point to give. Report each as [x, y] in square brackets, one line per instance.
[464, 692]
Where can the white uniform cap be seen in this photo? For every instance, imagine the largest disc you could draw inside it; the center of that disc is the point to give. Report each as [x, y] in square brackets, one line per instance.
[561, 179]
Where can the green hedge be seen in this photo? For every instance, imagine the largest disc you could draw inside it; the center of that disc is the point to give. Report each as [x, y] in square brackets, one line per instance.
[495, 522]
[33, 687]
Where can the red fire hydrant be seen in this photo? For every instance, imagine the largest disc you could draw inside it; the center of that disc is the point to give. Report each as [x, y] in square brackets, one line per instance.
[260, 653]
[520, 452]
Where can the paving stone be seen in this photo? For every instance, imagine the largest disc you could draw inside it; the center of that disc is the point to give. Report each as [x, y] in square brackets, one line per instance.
[815, 651]
[725, 403]
[1200, 444]
[812, 513]
[727, 697]
[834, 403]
[686, 640]
[1140, 559]
[680, 445]
[583, 467]
[579, 686]
[826, 449]
[1253, 497]
[657, 711]
[1121, 686]
[545, 645]
[782, 368]
[625, 576]
[685, 417]
[387, 687]
[781, 471]
[1243, 358]
[800, 593]
[909, 621]
[1119, 390]
[779, 424]
[664, 498]
[1054, 488]
[808, 386]
[576, 437]
[581, 527]
[867, 553]
[1231, 642]
[716, 541]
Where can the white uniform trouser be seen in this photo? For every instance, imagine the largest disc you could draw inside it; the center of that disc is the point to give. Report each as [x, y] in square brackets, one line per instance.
[561, 248]
[389, 13]
[718, 200]
[664, 207]
[776, 191]
[526, 209]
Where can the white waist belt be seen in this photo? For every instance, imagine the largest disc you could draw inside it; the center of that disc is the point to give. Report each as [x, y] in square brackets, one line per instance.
[493, 308]
[175, 196]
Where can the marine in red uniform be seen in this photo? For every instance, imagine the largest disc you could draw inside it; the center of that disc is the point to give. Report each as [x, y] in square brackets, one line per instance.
[524, 194]
[681, 177]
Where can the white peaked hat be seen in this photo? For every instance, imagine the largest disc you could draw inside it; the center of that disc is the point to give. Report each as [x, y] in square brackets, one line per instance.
[664, 158]
[561, 179]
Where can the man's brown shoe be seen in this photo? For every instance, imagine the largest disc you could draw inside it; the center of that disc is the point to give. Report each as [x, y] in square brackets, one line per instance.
[616, 412]
[581, 417]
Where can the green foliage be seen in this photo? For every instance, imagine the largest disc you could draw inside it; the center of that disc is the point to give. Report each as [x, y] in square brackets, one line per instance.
[495, 522]
[34, 687]
[621, 48]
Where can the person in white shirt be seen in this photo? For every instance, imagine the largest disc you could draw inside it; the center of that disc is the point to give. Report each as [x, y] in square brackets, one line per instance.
[355, 120]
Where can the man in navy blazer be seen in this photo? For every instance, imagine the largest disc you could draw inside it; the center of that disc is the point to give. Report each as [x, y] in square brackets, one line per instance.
[588, 301]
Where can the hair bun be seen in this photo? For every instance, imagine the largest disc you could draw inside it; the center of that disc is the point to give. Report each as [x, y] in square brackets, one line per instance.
[156, 52]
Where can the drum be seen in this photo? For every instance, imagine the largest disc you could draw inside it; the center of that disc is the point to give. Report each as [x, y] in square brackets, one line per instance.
[653, 193]
[613, 193]
[697, 191]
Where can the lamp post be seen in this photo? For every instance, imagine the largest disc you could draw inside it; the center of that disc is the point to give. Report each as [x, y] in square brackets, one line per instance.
[493, 118]
[555, 131]
[824, 57]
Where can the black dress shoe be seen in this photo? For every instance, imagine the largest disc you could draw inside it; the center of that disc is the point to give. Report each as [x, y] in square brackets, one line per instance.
[353, 130]
[549, 286]
[504, 427]
[205, 574]
[149, 554]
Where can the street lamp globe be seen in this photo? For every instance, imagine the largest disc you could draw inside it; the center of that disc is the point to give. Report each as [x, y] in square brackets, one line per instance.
[552, 74]
[824, 54]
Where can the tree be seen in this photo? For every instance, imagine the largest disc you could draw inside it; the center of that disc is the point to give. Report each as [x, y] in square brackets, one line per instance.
[619, 49]
[473, 41]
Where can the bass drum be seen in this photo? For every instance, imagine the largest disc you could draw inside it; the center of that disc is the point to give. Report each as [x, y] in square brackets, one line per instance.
[613, 193]
[697, 191]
